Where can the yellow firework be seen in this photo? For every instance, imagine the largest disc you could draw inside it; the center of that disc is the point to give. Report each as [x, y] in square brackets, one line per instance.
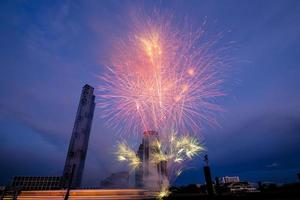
[177, 149]
[164, 192]
[125, 153]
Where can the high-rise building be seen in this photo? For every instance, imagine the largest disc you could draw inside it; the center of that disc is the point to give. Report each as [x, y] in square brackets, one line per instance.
[79, 140]
[148, 174]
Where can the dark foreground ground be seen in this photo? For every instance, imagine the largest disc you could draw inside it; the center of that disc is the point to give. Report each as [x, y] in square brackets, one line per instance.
[288, 192]
[140, 195]
[264, 192]
[259, 196]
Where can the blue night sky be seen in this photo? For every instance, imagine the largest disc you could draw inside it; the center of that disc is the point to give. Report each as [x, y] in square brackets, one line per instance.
[50, 49]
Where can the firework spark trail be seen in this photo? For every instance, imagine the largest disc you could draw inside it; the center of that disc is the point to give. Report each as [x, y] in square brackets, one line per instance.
[175, 152]
[125, 153]
[164, 192]
[161, 75]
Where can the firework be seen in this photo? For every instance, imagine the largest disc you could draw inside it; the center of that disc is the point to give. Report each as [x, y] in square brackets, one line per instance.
[161, 76]
[175, 152]
[164, 192]
[176, 149]
[125, 153]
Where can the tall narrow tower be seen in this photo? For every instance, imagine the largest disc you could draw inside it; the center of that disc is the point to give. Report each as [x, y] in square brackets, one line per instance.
[79, 140]
[149, 175]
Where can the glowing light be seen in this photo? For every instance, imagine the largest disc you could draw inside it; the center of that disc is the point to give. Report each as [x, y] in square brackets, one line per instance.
[152, 47]
[125, 153]
[174, 152]
[176, 149]
[191, 72]
[185, 88]
[164, 192]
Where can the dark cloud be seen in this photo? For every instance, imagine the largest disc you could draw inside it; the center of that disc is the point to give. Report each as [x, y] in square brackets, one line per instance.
[48, 133]
[256, 143]
[274, 164]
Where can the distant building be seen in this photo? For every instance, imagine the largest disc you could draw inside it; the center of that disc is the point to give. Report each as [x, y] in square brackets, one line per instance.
[75, 160]
[36, 182]
[239, 187]
[116, 180]
[148, 174]
[230, 179]
[2, 189]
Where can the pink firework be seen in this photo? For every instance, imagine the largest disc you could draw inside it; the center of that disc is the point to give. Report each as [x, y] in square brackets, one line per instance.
[161, 76]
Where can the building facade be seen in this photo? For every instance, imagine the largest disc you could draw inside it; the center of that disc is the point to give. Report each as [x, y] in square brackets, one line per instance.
[78, 146]
[149, 175]
[36, 182]
[230, 179]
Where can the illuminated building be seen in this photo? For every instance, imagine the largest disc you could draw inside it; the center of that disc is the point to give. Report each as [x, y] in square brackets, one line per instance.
[230, 179]
[149, 175]
[78, 146]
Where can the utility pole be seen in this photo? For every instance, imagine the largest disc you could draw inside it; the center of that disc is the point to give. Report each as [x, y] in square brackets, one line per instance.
[70, 183]
[207, 175]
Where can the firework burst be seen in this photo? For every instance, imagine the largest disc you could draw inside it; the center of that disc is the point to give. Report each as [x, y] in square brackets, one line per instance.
[161, 76]
[174, 152]
[125, 153]
[164, 192]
